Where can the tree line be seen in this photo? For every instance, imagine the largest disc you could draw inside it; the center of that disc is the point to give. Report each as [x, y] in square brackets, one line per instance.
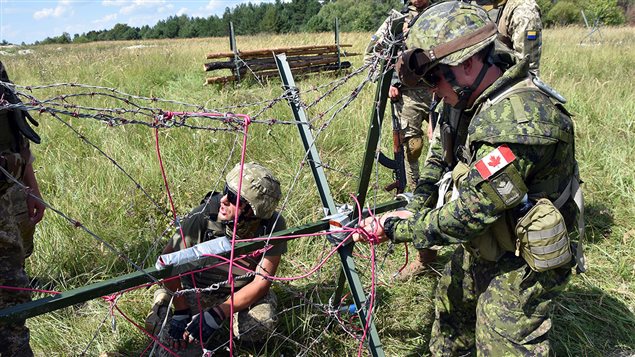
[319, 16]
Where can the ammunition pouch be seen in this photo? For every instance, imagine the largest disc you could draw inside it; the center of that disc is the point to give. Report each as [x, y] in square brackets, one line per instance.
[542, 238]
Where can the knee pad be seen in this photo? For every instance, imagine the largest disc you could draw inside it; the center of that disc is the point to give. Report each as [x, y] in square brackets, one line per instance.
[413, 147]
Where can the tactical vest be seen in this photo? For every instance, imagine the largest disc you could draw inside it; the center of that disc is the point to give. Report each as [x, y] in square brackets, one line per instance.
[14, 150]
[546, 123]
[214, 229]
[14, 132]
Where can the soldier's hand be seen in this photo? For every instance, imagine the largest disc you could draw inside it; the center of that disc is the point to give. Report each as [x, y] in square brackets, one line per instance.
[204, 325]
[34, 198]
[375, 226]
[393, 93]
[372, 225]
[35, 207]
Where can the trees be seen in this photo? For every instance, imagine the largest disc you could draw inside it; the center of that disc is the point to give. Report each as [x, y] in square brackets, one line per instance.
[564, 12]
[319, 16]
[353, 15]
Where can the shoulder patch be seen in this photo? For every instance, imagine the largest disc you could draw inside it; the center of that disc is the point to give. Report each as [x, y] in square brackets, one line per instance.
[532, 34]
[494, 161]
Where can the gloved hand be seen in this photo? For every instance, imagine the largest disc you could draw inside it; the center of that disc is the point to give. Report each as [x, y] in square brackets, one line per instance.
[178, 324]
[205, 327]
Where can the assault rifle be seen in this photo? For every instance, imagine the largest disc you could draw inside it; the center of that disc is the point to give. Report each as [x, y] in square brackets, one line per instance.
[397, 163]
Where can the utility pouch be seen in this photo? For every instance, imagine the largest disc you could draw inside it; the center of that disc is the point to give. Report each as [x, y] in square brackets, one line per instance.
[542, 238]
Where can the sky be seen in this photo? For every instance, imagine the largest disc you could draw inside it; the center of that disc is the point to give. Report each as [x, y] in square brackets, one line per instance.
[32, 20]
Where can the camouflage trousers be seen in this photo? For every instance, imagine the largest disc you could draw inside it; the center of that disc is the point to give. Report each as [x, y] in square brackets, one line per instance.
[412, 111]
[254, 324]
[496, 308]
[14, 337]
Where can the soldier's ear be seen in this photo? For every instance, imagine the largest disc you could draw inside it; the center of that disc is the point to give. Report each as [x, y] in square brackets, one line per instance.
[245, 210]
[468, 67]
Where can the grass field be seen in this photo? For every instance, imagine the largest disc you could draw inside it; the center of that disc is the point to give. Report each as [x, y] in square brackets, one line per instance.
[595, 316]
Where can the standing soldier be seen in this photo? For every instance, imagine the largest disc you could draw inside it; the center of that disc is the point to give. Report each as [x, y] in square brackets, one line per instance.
[519, 26]
[412, 106]
[520, 30]
[19, 213]
[513, 203]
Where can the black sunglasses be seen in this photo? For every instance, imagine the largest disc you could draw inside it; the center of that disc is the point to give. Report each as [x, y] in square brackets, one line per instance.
[232, 197]
[431, 78]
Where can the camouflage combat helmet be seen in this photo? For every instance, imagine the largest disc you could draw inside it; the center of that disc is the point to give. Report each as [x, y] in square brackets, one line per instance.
[446, 33]
[259, 188]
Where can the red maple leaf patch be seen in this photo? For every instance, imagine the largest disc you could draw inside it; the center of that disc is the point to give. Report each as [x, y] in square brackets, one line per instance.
[494, 161]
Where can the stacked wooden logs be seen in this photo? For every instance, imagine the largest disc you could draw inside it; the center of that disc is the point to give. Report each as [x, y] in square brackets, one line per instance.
[261, 63]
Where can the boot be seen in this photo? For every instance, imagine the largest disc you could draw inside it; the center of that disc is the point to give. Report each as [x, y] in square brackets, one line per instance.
[160, 307]
[418, 266]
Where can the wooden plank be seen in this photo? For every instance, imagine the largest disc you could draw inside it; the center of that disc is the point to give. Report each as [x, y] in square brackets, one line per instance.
[310, 49]
[298, 70]
[268, 64]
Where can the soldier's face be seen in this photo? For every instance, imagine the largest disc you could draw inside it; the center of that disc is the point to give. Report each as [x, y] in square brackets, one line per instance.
[420, 3]
[228, 210]
[462, 75]
[443, 88]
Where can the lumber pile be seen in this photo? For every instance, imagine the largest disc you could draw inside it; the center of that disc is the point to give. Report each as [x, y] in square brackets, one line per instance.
[261, 63]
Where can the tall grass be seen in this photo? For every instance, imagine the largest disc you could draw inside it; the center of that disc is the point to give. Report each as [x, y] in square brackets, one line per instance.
[593, 317]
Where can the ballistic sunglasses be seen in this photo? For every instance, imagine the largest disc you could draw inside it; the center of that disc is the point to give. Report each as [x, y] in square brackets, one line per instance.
[232, 197]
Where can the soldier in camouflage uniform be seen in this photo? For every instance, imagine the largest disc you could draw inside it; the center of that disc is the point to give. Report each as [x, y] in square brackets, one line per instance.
[519, 26]
[19, 213]
[508, 153]
[254, 303]
[519, 29]
[411, 104]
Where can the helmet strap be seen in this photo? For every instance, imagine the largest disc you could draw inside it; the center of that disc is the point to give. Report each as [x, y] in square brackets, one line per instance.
[465, 92]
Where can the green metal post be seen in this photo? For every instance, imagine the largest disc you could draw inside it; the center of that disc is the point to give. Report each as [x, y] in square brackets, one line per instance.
[118, 284]
[233, 48]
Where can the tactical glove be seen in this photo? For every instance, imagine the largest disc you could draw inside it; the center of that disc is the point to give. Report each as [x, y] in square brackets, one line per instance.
[205, 328]
[179, 323]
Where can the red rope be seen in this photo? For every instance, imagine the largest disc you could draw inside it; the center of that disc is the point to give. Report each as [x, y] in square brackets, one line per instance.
[373, 239]
[247, 121]
[167, 188]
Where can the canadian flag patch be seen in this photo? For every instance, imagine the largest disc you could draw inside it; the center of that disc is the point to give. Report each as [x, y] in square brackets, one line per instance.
[494, 161]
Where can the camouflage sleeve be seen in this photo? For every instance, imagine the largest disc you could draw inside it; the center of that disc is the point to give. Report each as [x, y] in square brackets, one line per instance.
[479, 204]
[524, 28]
[376, 41]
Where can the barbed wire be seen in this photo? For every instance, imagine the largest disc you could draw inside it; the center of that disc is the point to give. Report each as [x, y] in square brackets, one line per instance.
[157, 117]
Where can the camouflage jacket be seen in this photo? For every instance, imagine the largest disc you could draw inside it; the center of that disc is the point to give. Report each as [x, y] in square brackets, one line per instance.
[519, 27]
[539, 132]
